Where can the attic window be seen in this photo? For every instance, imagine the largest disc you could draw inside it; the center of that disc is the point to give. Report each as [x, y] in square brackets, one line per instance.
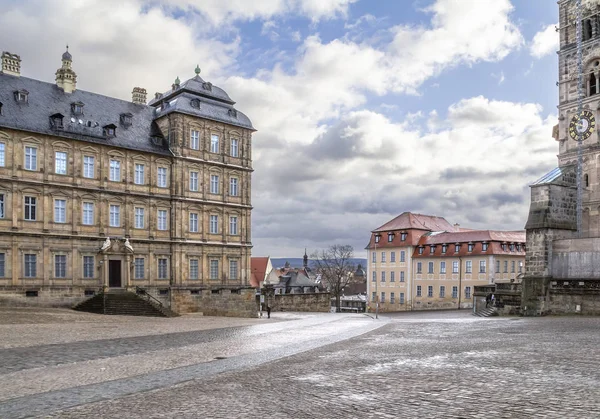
[22, 96]
[56, 121]
[77, 108]
[110, 130]
[432, 249]
[421, 248]
[444, 248]
[484, 246]
[470, 247]
[233, 112]
[403, 236]
[195, 103]
[207, 86]
[157, 140]
[126, 119]
[377, 238]
[390, 237]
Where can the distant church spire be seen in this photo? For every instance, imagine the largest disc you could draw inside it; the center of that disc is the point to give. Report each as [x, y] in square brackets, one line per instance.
[305, 259]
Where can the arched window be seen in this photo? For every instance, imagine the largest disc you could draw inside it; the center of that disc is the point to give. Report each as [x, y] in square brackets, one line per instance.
[586, 30]
[593, 85]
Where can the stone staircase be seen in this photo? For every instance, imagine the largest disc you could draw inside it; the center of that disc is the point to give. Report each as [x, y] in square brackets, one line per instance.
[124, 303]
[487, 312]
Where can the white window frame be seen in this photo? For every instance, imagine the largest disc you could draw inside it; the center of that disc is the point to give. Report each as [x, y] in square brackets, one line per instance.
[402, 256]
[163, 268]
[233, 186]
[392, 276]
[482, 267]
[455, 267]
[30, 265]
[392, 257]
[442, 291]
[32, 208]
[88, 271]
[114, 170]
[214, 184]
[429, 291]
[214, 224]
[60, 266]
[214, 143]
[2, 205]
[442, 267]
[139, 269]
[233, 225]
[233, 269]
[2, 265]
[401, 276]
[234, 149]
[454, 291]
[139, 174]
[87, 213]
[161, 177]
[139, 215]
[419, 291]
[194, 183]
[89, 166]
[60, 211]
[161, 220]
[30, 158]
[114, 215]
[468, 266]
[195, 139]
[194, 269]
[2, 154]
[467, 293]
[401, 298]
[193, 222]
[214, 269]
[60, 162]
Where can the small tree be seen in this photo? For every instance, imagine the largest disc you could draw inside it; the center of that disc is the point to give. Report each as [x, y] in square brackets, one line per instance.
[336, 267]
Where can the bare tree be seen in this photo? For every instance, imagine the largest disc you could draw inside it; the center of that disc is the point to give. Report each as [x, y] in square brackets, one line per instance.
[336, 267]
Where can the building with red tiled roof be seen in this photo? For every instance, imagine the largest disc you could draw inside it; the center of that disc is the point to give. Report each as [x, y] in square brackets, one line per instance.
[260, 267]
[419, 262]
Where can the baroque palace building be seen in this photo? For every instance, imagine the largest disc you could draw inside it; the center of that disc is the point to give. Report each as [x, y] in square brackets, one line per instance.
[421, 262]
[100, 192]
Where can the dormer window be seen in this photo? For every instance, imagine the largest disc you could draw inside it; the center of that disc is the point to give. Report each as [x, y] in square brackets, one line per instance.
[207, 86]
[110, 130]
[126, 119]
[22, 96]
[56, 121]
[403, 236]
[470, 247]
[456, 248]
[444, 248]
[512, 247]
[156, 140]
[390, 237]
[377, 238]
[431, 250]
[504, 247]
[518, 247]
[484, 247]
[77, 108]
[421, 249]
[195, 103]
[233, 113]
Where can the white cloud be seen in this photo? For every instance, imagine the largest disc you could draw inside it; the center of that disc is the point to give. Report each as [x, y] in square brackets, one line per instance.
[544, 42]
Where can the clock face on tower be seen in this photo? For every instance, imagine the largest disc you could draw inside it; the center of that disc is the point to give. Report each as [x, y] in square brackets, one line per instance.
[583, 124]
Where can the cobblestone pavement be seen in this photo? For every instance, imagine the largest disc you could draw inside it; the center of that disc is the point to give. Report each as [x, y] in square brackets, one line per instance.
[413, 365]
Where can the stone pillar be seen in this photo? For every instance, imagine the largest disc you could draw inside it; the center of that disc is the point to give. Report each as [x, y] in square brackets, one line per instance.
[128, 270]
[597, 75]
[105, 267]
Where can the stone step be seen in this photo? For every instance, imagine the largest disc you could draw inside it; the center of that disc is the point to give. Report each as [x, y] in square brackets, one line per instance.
[121, 302]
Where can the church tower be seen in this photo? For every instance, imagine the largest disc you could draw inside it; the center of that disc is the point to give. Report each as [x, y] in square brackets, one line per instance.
[66, 78]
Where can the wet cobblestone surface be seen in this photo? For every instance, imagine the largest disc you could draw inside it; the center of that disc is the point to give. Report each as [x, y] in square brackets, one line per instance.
[425, 365]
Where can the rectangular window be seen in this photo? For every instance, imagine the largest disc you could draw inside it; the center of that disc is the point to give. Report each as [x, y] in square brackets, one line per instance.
[454, 292]
[234, 147]
[419, 267]
[442, 291]
[115, 171]
[402, 276]
[383, 276]
[161, 177]
[2, 206]
[88, 267]
[2, 158]
[383, 297]
[403, 236]
[484, 246]
[392, 257]
[467, 292]
[456, 248]
[455, 267]
[194, 181]
[214, 184]
[430, 268]
[505, 266]
[512, 266]
[139, 217]
[402, 256]
[392, 297]
[214, 224]
[444, 248]
[482, 266]
[418, 290]
[161, 222]
[214, 143]
[115, 216]
[195, 140]
[430, 291]
[233, 269]
[138, 268]
[390, 237]
[470, 247]
[520, 266]
[163, 272]
[214, 269]
[442, 267]
[60, 266]
[2, 265]
[88, 167]
[382, 257]
[30, 208]
[374, 257]
[373, 296]
[468, 267]
[30, 158]
[401, 298]
[233, 186]
[60, 211]
[193, 222]
[139, 174]
[497, 266]
[233, 226]
[60, 163]
[392, 276]
[88, 214]
[30, 266]
[194, 269]
[374, 276]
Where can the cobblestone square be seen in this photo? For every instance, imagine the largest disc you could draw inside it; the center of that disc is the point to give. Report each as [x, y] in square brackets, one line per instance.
[427, 365]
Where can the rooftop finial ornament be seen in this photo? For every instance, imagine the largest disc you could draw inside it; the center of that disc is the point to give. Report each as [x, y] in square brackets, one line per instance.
[177, 81]
[67, 54]
[197, 70]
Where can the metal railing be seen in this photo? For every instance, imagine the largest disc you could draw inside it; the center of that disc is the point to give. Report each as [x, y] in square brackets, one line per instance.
[143, 293]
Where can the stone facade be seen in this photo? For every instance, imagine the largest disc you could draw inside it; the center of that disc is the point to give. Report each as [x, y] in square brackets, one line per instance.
[158, 199]
[314, 302]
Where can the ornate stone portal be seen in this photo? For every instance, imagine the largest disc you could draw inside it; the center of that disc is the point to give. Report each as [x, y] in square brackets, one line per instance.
[117, 263]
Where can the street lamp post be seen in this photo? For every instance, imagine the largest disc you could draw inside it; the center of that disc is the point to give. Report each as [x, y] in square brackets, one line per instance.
[376, 288]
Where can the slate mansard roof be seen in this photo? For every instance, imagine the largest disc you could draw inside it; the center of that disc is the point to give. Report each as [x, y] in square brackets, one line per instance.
[47, 99]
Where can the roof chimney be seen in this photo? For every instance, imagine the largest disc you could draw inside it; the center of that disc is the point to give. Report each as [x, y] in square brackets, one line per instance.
[11, 64]
[139, 96]
[456, 227]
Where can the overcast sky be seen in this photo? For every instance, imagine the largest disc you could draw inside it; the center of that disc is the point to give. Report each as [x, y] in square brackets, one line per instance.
[364, 109]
